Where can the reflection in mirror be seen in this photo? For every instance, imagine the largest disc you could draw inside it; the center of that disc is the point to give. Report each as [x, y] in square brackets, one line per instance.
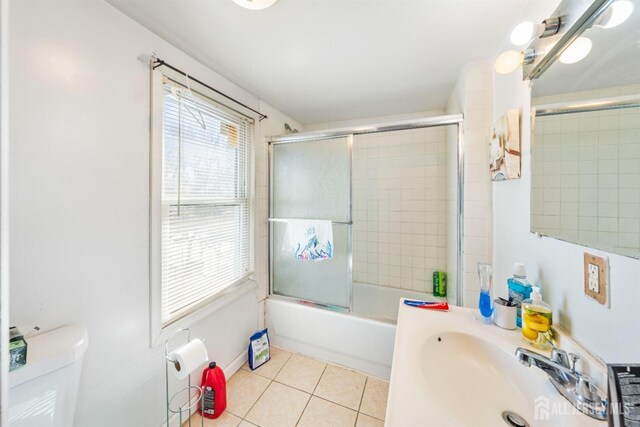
[613, 61]
[586, 179]
[585, 150]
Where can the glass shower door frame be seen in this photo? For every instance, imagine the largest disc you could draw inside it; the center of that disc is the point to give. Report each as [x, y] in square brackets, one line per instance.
[425, 122]
[348, 223]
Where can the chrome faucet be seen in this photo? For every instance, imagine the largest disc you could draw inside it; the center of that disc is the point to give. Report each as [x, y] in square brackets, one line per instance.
[575, 387]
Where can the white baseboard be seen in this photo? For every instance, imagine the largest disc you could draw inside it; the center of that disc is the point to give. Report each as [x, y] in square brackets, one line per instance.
[236, 364]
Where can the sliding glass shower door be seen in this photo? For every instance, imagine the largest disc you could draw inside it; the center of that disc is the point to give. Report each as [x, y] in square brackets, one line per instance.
[311, 179]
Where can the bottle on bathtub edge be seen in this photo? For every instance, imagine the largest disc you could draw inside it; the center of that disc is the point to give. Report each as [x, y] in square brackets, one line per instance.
[439, 284]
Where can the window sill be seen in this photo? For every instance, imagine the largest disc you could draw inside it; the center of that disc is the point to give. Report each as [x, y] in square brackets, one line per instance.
[160, 334]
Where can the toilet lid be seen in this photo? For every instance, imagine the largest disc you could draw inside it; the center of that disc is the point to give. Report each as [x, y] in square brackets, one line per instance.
[49, 351]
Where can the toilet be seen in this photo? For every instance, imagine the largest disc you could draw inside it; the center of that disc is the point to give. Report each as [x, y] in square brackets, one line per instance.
[45, 390]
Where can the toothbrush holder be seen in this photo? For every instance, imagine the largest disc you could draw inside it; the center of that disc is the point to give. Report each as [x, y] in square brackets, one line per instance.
[504, 314]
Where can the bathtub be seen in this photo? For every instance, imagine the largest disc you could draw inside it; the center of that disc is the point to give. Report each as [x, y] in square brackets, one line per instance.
[362, 340]
[355, 342]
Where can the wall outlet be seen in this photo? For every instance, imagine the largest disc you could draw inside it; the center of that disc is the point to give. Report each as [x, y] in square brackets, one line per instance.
[594, 284]
[595, 277]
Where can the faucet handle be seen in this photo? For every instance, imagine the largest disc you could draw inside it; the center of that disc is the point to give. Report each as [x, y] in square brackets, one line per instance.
[585, 391]
[574, 358]
[560, 356]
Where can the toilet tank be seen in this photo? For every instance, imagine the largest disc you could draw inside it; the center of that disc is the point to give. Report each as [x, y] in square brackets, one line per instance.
[44, 391]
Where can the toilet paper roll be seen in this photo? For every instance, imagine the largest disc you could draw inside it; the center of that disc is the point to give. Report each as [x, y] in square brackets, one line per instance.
[188, 358]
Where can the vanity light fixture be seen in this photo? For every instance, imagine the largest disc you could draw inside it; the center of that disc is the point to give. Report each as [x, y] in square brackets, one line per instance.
[573, 18]
[525, 31]
[255, 4]
[576, 51]
[509, 61]
[616, 14]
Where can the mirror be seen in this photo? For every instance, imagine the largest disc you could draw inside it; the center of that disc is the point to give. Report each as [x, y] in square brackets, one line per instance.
[585, 143]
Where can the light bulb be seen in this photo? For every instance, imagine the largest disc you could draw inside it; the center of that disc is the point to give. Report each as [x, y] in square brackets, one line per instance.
[522, 33]
[255, 4]
[508, 61]
[618, 12]
[576, 51]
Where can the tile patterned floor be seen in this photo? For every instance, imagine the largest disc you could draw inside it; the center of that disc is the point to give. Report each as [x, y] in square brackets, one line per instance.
[295, 390]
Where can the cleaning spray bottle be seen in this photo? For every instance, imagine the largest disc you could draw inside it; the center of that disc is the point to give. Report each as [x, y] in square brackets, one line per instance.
[536, 320]
[214, 386]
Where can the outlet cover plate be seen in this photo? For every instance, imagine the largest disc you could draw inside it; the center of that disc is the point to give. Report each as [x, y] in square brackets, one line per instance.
[595, 277]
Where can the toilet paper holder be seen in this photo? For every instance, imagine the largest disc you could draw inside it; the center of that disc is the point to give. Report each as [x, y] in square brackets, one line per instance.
[192, 399]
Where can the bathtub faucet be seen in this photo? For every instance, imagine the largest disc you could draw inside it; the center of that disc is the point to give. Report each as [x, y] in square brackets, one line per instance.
[575, 387]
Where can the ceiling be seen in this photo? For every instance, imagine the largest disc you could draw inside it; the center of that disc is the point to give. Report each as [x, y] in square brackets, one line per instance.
[614, 60]
[329, 60]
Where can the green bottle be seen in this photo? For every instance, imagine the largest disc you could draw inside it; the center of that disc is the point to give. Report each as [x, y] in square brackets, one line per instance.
[439, 284]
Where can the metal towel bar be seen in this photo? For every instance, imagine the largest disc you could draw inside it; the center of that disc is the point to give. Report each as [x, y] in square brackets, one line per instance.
[287, 219]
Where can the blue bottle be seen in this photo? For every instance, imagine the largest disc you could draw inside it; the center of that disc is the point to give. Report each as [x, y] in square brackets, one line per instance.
[485, 305]
[519, 289]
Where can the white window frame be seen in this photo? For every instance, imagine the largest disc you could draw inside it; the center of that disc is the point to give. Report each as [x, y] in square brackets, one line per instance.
[159, 332]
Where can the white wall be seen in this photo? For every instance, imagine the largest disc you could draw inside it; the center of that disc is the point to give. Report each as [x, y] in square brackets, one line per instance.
[80, 196]
[610, 333]
[4, 211]
[371, 120]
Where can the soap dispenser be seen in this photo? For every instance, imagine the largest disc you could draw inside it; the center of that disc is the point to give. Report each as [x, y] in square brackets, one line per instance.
[536, 320]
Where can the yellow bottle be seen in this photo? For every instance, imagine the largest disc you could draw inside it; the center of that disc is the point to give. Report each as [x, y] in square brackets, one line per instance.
[536, 321]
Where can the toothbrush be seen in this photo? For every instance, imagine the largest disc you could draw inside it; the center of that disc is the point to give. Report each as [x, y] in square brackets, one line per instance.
[429, 305]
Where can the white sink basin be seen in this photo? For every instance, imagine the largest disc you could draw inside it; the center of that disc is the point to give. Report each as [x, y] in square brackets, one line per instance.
[451, 369]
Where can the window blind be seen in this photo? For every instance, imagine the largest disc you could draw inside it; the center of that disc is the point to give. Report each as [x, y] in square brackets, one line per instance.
[205, 201]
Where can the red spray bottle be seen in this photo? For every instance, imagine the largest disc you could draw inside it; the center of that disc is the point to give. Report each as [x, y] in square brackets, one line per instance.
[214, 387]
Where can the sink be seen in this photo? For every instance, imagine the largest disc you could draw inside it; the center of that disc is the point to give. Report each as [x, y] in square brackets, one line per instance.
[449, 369]
[485, 373]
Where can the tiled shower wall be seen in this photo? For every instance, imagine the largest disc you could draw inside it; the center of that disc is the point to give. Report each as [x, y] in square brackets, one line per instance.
[399, 208]
[473, 96]
[451, 196]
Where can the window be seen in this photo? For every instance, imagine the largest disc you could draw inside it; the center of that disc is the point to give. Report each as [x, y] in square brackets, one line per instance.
[203, 208]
